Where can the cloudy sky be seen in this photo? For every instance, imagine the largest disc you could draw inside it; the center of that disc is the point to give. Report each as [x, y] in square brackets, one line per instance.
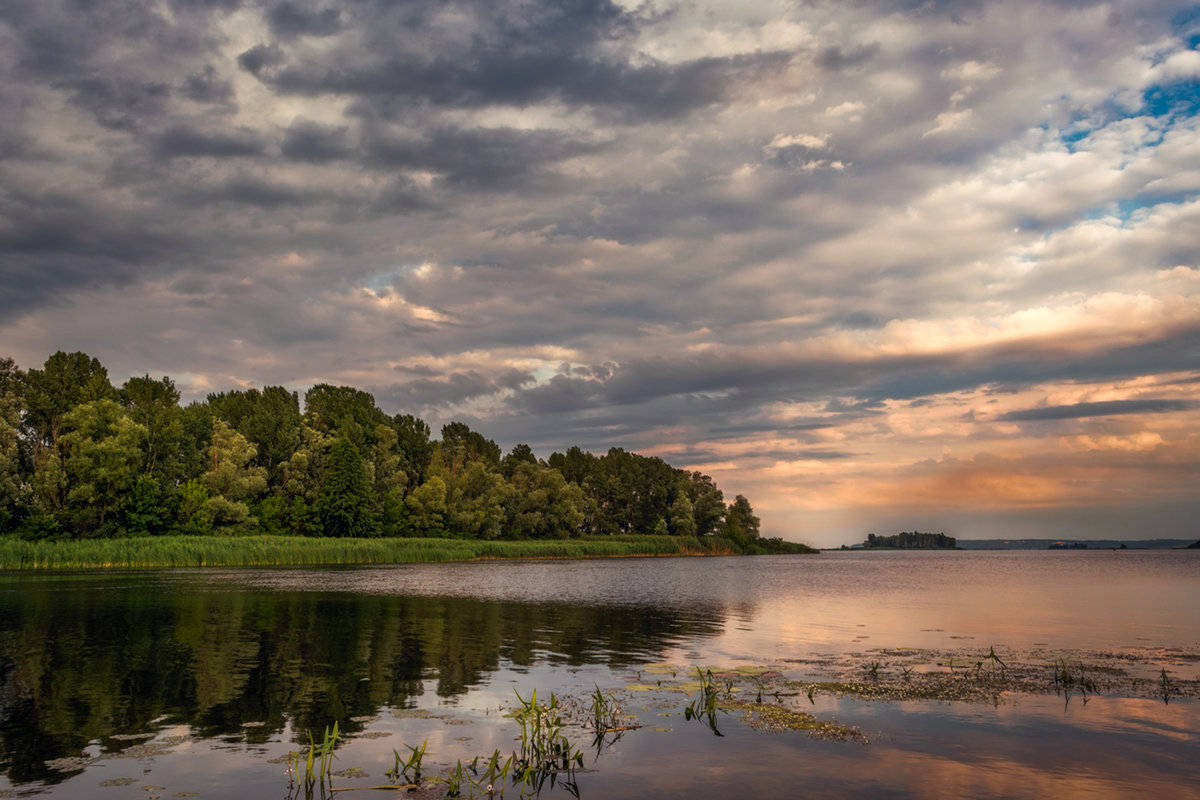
[878, 265]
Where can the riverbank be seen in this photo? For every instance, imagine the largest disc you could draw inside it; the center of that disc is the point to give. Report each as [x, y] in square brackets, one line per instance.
[271, 551]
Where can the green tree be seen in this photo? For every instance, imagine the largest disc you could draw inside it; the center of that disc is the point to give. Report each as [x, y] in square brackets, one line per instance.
[520, 454]
[542, 504]
[683, 516]
[334, 410]
[389, 479]
[194, 516]
[155, 406]
[427, 508]
[270, 419]
[475, 499]
[462, 446]
[740, 522]
[232, 480]
[63, 382]
[12, 406]
[708, 504]
[346, 506]
[103, 459]
[576, 465]
[414, 442]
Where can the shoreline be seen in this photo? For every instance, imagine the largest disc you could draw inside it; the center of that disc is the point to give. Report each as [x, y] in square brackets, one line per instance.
[167, 552]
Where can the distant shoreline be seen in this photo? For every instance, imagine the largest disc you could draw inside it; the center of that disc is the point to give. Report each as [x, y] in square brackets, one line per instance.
[1038, 544]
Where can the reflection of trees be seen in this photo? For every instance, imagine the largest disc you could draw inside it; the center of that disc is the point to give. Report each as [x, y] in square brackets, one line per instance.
[85, 663]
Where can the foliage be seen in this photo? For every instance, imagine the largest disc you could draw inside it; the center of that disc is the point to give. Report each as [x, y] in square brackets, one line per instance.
[80, 459]
[345, 505]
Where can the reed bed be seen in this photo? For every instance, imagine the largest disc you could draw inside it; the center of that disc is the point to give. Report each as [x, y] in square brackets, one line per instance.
[260, 551]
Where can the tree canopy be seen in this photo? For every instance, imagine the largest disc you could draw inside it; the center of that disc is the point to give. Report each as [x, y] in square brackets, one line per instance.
[82, 459]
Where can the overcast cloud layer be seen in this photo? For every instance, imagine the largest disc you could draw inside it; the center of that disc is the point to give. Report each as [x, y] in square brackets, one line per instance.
[877, 265]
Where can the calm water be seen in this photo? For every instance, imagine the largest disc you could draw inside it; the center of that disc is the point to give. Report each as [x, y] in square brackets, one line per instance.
[167, 683]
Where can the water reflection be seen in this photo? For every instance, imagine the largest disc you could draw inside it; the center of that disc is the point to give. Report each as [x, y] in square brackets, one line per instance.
[90, 658]
[243, 662]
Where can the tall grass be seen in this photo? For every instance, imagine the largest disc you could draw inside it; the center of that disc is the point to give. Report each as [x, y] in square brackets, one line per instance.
[255, 551]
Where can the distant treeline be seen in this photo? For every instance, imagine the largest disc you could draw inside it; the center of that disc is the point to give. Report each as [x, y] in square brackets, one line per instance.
[914, 540]
[81, 458]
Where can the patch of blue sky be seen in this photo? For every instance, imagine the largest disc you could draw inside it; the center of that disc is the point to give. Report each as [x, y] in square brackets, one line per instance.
[1186, 25]
[1176, 99]
[1125, 210]
[1168, 102]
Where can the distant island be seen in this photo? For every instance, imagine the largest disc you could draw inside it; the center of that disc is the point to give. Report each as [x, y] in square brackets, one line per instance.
[911, 540]
[1194, 546]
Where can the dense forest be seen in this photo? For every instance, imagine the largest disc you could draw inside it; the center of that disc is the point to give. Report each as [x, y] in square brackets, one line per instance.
[81, 458]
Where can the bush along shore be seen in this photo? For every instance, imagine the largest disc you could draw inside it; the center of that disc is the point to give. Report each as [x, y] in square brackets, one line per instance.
[83, 459]
[260, 551]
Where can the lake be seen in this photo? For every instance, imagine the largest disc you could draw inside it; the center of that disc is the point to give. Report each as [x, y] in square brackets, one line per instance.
[1014, 674]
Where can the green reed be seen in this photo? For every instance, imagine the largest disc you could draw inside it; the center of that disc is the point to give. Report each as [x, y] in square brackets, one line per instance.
[704, 706]
[403, 766]
[263, 550]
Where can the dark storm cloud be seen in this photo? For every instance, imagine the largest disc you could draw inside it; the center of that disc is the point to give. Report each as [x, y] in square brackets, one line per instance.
[315, 143]
[288, 20]
[1107, 408]
[253, 191]
[479, 158]
[181, 141]
[636, 93]
[435, 392]
[835, 58]
[206, 86]
[121, 105]
[512, 54]
[259, 57]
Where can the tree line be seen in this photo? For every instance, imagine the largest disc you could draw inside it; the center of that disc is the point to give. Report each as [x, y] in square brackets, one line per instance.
[82, 458]
[914, 540]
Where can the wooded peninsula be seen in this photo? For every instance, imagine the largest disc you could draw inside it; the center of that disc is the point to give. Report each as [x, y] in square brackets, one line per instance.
[81, 459]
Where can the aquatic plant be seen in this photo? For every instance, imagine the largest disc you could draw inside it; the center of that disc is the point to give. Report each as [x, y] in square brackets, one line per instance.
[606, 714]
[322, 757]
[546, 751]
[1166, 686]
[258, 551]
[705, 704]
[403, 766]
[455, 780]
[994, 659]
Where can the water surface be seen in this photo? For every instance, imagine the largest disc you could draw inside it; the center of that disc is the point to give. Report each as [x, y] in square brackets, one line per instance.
[197, 680]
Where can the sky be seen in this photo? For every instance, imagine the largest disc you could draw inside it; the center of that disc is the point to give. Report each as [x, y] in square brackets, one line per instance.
[879, 266]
